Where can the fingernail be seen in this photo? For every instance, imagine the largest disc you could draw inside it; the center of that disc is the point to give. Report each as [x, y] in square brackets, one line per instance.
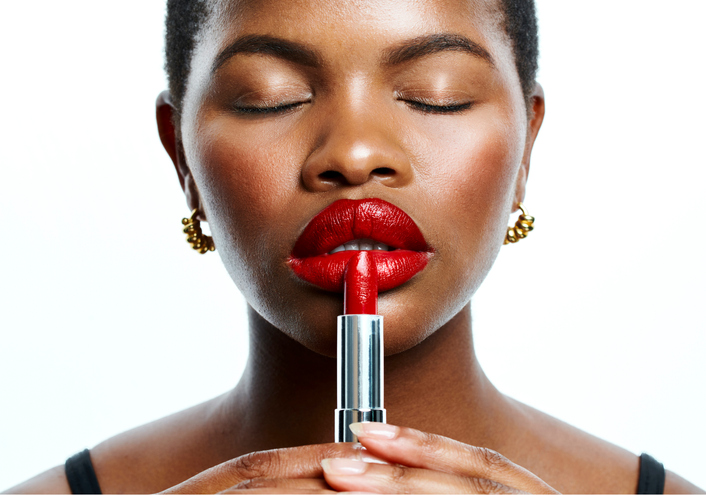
[343, 466]
[369, 458]
[374, 430]
[364, 455]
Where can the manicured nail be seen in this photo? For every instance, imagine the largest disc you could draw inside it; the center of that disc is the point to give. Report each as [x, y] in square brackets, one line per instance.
[374, 430]
[364, 455]
[345, 467]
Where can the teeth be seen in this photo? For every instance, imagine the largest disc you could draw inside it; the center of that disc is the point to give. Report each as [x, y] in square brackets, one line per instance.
[362, 245]
[366, 245]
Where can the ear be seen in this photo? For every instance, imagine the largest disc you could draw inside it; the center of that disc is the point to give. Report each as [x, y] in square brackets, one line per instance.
[535, 117]
[171, 140]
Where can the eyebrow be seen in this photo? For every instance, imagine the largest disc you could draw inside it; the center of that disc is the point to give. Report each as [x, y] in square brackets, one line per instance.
[269, 45]
[303, 55]
[435, 43]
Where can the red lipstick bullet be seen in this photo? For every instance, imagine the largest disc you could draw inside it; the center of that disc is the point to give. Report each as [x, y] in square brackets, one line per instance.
[360, 293]
[360, 349]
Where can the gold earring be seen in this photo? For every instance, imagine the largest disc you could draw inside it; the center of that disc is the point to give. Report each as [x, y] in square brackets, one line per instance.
[522, 227]
[194, 236]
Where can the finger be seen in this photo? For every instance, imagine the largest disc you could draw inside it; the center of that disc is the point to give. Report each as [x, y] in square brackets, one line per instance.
[414, 448]
[354, 475]
[295, 462]
[269, 485]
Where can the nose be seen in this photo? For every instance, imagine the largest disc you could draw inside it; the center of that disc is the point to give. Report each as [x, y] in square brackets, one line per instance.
[354, 148]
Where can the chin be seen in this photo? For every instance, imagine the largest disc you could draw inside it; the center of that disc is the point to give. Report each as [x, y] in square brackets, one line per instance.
[404, 329]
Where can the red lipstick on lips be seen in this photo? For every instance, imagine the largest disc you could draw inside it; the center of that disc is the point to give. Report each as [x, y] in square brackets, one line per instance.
[373, 220]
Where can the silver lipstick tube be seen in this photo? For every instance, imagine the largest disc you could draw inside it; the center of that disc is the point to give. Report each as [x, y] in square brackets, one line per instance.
[360, 373]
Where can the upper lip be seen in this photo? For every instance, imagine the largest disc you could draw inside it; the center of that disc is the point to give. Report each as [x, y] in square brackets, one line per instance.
[348, 219]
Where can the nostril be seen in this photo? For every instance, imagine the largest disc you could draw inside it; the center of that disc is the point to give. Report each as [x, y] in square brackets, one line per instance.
[335, 177]
[384, 171]
[331, 175]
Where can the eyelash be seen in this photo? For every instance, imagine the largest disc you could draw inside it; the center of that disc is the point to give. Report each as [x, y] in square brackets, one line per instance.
[416, 105]
[269, 110]
[426, 108]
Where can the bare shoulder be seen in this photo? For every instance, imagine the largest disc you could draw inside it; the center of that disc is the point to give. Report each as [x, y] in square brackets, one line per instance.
[149, 458]
[160, 454]
[676, 484]
[574, 461]
[50, 481]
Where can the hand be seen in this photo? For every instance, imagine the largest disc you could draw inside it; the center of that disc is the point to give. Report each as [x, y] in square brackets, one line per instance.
[426, 463]
[419, 463]
[293, 470]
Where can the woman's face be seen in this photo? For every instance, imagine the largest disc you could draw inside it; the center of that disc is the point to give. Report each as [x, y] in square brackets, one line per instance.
[294, 104]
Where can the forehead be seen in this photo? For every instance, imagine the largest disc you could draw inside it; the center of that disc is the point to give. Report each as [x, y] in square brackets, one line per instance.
[325, 10]
[341, 22]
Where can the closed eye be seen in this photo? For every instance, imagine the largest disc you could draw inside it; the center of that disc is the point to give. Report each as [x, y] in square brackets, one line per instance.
[263, 110]
[427, 108]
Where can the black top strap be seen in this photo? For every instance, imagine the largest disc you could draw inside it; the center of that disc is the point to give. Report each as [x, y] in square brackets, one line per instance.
[80, 473]
[652, 475]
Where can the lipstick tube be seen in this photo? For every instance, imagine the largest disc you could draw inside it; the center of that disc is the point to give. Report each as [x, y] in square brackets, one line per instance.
[360, 373]
[360, 350]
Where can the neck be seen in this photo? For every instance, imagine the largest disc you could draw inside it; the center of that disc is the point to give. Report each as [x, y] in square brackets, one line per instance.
[287, 394]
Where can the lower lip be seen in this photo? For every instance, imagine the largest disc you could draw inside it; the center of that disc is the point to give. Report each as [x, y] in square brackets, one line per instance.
[327, 271]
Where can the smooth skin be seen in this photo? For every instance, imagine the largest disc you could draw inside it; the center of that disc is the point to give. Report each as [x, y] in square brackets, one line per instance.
[264, 142]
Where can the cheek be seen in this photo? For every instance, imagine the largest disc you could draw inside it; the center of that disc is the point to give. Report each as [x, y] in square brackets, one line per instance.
[474, 179]
[246, 180]
[242, 168]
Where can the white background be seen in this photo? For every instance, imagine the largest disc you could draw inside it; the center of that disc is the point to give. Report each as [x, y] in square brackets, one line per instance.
[110, 321]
